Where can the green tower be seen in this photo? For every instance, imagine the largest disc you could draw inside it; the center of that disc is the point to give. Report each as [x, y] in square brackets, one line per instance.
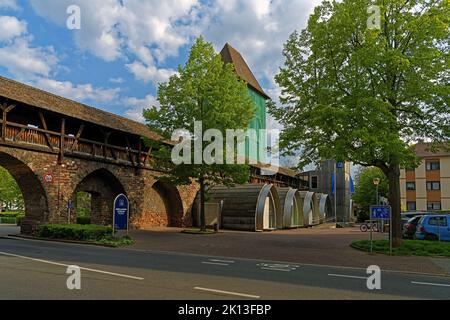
[259, 97]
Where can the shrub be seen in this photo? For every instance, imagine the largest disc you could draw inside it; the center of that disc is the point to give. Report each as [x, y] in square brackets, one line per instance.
[74, 232]
[363, 216]
[11, 214]
[8, 220]
[19, 220]
[83, 220]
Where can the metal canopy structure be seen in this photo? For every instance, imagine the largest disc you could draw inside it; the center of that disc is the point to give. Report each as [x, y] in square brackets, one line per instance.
[310, 209]
[325, 207]
[292, 206]
[249, 207]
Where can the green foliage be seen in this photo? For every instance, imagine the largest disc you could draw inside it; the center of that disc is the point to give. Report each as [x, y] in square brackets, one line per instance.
[83, 205]
[19, 220]
[83, 220]
[408, 248]
[10, 193]
[203, 90]
[364, 95]
[8, 220]
[74, 232]
[12, 214]
[365, 192]
[116, 242]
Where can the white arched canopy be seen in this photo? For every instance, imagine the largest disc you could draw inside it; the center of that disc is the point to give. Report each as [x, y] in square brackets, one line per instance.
[292, 207]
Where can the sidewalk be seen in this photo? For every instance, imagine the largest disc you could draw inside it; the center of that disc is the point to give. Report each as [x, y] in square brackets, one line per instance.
[306, 246]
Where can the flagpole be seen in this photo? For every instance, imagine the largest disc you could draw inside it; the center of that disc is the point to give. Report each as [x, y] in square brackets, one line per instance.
[335, 193]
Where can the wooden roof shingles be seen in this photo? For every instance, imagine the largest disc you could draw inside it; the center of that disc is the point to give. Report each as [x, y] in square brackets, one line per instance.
[31, 96]
[231, 55]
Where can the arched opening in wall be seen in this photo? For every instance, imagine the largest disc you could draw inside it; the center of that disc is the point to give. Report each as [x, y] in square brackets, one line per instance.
[83, 201]
[22, 191]
[97, 191]
[168, 205]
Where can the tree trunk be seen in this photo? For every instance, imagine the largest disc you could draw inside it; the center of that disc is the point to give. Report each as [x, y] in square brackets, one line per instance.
[395, 202]
[202, 205]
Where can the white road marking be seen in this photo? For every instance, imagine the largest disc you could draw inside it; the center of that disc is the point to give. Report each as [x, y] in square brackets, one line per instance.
[215, 263]
[346, 276]
[223, 261]
[275, 269]
[278, 267]
[237, 294]
[66, 265]
[431, 284]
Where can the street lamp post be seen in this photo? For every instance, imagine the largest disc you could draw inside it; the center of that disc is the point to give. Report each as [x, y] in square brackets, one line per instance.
[377, 182]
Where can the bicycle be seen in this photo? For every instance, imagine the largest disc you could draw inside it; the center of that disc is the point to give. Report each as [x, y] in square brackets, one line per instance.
[366, 226]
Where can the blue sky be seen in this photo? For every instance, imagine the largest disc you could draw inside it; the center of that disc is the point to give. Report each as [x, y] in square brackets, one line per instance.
[125, 48]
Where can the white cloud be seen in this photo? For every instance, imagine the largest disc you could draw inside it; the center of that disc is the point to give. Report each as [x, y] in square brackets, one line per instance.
[118, 80]
[11, 27]
[24, 61]
[145, 32]
[149, 73]
[80, 92]
[136, 106]
[8, 4]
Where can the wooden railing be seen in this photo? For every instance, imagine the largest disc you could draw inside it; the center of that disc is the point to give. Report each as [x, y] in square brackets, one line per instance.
[50, 141]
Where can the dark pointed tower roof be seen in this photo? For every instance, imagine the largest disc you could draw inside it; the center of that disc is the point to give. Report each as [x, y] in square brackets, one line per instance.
[231, 55]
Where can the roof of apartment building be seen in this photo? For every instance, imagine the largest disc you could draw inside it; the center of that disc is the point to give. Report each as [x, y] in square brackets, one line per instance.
[426, 150]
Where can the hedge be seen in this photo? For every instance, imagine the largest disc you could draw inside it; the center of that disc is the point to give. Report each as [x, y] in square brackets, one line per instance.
[74, 232]
[11, 214]
[83, 220]
[7, 220]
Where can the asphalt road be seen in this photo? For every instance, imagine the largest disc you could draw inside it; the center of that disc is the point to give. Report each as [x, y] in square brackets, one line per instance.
[37, 270]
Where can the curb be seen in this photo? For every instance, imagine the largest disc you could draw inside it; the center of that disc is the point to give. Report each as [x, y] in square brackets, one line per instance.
[63, 241]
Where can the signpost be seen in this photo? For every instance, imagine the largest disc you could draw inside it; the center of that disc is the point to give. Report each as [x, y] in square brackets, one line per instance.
[70, 206]
[121, 213]
[381, 213]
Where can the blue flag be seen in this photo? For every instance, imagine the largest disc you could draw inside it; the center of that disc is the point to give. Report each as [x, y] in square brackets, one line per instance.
[333, 183]
[352, 185]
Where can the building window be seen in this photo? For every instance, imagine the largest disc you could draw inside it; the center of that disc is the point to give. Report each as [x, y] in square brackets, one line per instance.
[411, 186]
[314, 182]
[434, 206]
[411, 206]
[433, 165]
[433, 186]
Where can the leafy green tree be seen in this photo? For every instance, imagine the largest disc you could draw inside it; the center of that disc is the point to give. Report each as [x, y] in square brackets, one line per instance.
[10, 193]
[84, 206]
[365, 191]
[205, 90]
[363, 92]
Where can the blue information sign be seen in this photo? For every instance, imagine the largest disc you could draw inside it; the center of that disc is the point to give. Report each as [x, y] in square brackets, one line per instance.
[380, 212]
[340, 165]
[121, 212]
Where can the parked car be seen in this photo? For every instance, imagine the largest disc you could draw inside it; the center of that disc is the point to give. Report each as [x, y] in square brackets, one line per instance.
[406, 216]
[433, 227]
[409, 228]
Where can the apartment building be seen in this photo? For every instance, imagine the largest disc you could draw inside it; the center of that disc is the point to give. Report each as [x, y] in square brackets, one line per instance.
[427, 187]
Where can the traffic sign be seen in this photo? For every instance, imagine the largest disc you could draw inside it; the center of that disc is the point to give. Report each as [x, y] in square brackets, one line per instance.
[380, 212]
[121, 212]
[340, 165]
[48, 178]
